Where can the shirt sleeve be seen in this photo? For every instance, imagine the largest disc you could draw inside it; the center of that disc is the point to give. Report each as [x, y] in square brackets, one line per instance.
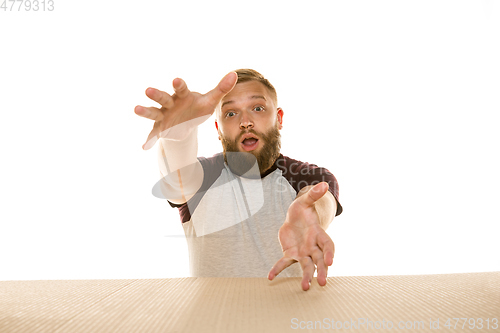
[301, 174]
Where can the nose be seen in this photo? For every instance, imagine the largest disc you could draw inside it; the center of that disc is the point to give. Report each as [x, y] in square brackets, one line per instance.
[246, 122]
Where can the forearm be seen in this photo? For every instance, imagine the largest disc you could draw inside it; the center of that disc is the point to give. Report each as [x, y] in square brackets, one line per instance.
[325, 207]
[181, 172]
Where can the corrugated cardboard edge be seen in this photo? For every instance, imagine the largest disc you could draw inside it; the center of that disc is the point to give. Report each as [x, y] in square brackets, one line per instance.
[251, 304]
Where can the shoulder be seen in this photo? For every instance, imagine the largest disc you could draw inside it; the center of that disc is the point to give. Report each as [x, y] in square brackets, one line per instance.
[212, 169]
[216, 161]
[301, 174]
[296, 169]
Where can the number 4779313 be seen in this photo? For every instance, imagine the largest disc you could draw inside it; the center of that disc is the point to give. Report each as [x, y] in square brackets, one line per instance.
[27, 5]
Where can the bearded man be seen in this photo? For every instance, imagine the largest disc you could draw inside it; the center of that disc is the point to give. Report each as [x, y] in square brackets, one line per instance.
[249, 211]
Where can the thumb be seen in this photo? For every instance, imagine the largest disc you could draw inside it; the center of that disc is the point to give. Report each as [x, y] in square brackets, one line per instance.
[314, 194]
[223, 88]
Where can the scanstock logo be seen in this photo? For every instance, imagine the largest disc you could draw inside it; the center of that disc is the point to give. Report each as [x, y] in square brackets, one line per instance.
[238, 184]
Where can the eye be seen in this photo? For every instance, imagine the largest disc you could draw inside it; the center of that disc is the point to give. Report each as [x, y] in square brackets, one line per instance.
[259, 108]
[230, 114]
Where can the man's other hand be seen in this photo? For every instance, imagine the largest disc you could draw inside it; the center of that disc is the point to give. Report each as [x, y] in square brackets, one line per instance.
[303, 239]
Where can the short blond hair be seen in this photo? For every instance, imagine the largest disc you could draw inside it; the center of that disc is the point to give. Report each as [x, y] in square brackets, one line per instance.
[246, 74]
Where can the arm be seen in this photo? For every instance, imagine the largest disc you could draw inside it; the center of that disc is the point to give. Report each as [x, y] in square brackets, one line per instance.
[180, 171]
[326, 207]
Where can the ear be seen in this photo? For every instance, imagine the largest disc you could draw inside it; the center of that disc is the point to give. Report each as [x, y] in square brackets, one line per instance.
[217, 127]
[280, 118]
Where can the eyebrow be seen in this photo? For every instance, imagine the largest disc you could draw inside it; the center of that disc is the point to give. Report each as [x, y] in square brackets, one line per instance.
[251, 97]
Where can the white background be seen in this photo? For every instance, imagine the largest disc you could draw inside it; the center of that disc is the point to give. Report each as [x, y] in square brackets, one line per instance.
[398, 99]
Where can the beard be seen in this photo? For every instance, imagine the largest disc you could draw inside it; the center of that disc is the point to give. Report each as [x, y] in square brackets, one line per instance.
[240, 162]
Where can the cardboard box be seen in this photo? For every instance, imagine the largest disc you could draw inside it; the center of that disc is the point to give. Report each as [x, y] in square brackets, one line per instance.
[417, 303]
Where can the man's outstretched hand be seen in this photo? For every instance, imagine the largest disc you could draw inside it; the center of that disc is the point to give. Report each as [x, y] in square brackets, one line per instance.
[303, 239]
[182, 107]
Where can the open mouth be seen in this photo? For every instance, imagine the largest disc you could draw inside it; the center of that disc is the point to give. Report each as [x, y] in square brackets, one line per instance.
[249, 142]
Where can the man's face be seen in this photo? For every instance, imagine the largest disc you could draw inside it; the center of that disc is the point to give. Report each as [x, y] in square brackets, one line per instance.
[249, 121]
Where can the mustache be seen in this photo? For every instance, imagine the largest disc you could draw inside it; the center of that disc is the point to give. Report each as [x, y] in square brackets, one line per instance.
[247, 132]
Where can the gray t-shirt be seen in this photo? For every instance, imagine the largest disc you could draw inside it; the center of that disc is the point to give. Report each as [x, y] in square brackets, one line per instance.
[232, 223]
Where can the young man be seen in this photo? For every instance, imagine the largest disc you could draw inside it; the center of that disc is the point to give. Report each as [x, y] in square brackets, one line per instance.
[250, 207]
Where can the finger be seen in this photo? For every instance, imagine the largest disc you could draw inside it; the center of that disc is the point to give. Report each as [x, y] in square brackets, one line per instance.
[223, 88]
[321, 267]
[314, 194]
[180, 87]
[326, 245]
[150, 113]
[279, 266]
[160, 97]
[308, 269]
